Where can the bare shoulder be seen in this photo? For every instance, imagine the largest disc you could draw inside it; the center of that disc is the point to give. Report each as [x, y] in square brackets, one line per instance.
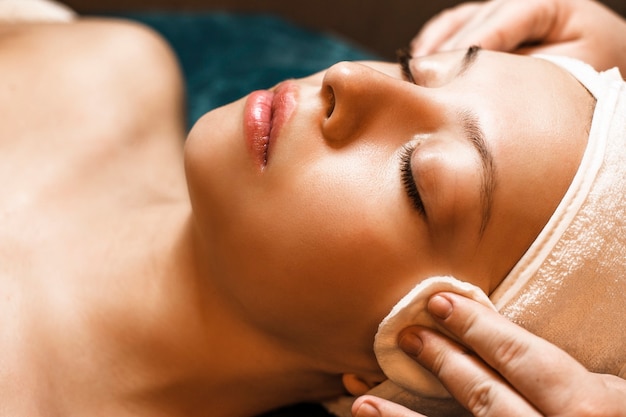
[88, 75]
[115, 44]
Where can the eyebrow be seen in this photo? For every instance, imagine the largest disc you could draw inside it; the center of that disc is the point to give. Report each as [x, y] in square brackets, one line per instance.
[475, 135]
[469, 58]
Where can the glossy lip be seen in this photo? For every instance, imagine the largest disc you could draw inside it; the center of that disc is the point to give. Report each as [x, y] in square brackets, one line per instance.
[265, 113]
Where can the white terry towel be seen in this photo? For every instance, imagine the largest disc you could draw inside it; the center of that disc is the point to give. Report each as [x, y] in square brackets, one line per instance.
[570, 286]
[12, 11]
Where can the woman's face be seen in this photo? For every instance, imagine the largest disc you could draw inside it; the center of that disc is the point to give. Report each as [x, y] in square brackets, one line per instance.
[325, 200]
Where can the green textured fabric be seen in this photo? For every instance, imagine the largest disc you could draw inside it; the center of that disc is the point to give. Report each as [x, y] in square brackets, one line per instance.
[225, 56]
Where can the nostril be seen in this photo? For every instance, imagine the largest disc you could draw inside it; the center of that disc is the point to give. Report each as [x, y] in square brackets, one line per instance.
[331, 101]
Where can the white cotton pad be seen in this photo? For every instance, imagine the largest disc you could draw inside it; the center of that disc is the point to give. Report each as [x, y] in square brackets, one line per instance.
[411, 310]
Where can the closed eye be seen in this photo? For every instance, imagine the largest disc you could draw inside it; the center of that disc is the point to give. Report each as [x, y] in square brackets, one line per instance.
[404, 58]
[408, 181]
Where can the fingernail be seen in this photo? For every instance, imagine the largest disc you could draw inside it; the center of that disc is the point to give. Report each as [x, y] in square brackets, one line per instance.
[411, 344]
[440, 307]
[367, 410]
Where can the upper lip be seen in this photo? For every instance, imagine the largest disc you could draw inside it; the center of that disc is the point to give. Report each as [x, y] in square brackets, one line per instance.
[283, 104]
[266, 113]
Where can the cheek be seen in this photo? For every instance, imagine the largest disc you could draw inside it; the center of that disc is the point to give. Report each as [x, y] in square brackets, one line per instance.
[332, 235]
[330, 209]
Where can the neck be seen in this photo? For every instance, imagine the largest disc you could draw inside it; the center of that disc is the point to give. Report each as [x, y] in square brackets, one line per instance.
[221, 362]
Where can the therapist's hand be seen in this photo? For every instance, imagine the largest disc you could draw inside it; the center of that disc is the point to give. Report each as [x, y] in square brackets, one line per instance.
[501, 369]
[583, 29]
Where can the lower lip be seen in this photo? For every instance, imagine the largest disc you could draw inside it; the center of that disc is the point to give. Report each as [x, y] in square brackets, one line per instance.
[265, 113]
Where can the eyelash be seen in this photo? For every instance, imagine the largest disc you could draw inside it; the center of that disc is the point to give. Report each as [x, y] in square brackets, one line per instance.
[404, 58]
[408, 181]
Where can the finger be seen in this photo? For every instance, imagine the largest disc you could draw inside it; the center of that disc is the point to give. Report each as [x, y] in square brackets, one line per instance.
[547, 376]
[368, 406]
[441, 27]
[474, 384]
[505, 26]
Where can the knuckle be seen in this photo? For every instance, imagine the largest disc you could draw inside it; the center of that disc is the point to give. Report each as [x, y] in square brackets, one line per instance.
[595, 401]
[439, 363]
[469, 322]
[502, 38]
[591, 407]
[479, 397]
[508, 352]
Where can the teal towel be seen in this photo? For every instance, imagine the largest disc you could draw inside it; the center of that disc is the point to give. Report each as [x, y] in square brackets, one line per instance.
[224, 56]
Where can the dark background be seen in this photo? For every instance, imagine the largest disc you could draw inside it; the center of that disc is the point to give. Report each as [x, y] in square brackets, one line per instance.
[381, 26]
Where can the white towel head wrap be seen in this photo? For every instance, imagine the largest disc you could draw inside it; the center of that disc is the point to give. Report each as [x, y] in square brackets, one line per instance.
[569, 287]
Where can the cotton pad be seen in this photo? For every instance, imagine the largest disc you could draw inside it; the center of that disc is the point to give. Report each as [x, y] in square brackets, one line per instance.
[411, 310]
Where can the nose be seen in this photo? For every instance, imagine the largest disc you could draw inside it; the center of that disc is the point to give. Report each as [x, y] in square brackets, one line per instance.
[363, 102]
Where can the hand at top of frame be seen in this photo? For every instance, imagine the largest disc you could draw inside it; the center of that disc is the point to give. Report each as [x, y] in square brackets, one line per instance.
[503, 370]
[582, 29]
